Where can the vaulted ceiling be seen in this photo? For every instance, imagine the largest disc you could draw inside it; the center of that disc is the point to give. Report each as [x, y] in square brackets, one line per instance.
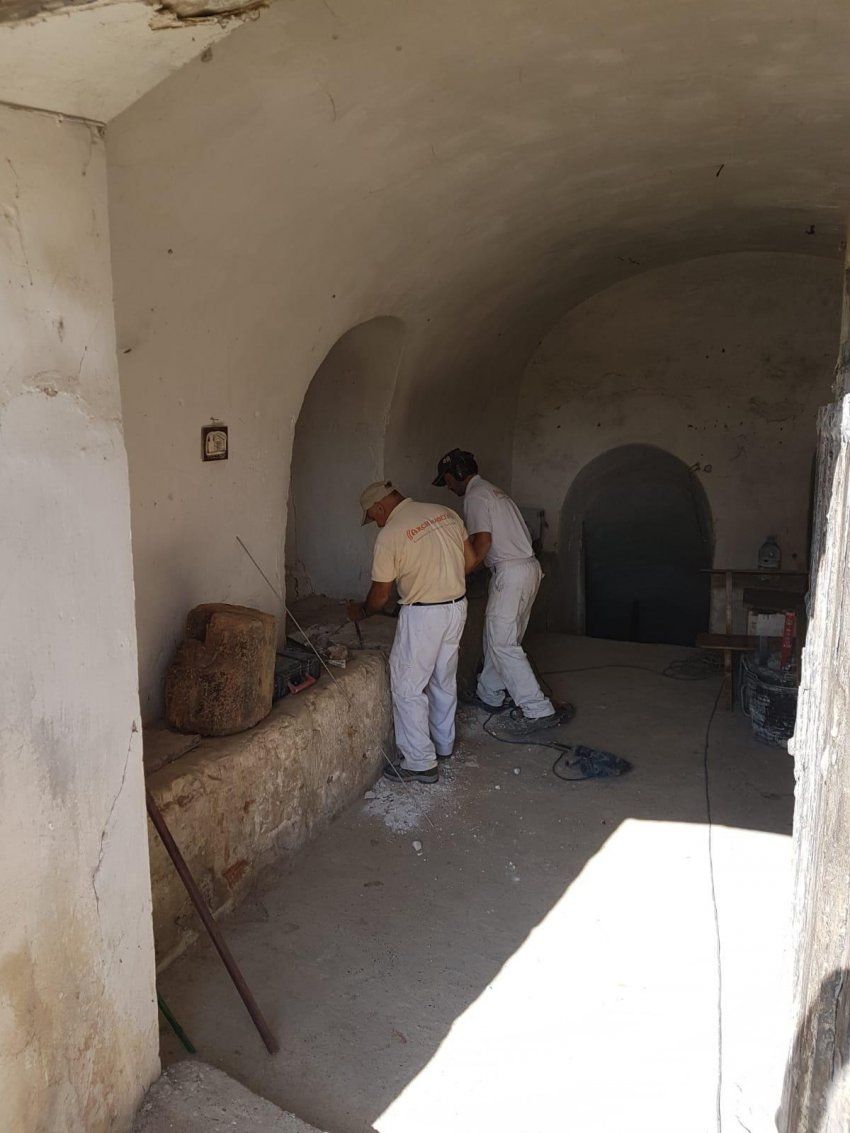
[472, 168]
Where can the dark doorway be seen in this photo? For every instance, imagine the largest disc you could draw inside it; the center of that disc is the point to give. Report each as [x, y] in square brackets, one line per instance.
[644, 537]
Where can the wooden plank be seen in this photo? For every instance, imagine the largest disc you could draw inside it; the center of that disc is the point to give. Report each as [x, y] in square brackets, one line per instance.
[753, 570]
[731, 642]
[773, 599]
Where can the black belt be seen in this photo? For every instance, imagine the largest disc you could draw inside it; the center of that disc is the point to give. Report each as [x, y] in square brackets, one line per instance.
[448, 602]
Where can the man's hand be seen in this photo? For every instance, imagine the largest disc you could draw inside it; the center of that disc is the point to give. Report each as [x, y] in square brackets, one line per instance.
[356, 611]
[376, 599]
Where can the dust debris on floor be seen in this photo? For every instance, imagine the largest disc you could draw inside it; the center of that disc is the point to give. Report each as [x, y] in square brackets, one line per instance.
[404, 808]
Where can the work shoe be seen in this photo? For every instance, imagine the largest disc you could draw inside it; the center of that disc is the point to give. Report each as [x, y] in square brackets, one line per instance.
[520, 725]
[442, 757]
[477, 702]
[398, 774]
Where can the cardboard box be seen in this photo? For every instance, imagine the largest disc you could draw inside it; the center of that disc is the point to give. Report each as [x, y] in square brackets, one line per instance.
[765, 625]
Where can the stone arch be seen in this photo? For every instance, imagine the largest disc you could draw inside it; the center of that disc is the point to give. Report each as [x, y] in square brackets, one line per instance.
[635, 533]
[338, 448]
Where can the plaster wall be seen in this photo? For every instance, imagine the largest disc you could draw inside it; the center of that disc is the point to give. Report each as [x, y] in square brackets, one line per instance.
[237, 267]
[722, 361]
[78, 1025]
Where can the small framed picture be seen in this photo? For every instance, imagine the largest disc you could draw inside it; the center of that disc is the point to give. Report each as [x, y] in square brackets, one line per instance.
[214, 442]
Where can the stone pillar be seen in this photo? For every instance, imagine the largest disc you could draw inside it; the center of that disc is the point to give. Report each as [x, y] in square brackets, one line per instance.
[78, 1021]
[842, 368]
[816, 1096]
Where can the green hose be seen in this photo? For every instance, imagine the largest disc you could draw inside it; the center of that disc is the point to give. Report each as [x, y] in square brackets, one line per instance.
[175, 1026]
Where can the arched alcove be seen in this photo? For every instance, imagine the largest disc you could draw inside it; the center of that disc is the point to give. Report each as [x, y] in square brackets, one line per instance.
[636, 533]
[337, 449]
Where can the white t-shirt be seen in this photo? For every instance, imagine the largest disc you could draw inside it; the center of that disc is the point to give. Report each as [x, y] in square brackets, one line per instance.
[421, 548]
[488, 508]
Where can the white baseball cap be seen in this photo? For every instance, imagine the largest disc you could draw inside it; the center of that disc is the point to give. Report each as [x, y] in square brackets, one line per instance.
[372, 495]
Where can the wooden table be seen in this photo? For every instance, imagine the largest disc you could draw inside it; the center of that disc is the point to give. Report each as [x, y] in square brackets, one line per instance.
[730, 642]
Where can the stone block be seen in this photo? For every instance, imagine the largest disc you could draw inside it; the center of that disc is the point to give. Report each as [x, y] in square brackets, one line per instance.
[221, 680]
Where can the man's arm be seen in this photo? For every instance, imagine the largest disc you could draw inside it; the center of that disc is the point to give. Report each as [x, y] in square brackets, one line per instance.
[479, 524]
[376, 599]
[469, 560]
[479, 546]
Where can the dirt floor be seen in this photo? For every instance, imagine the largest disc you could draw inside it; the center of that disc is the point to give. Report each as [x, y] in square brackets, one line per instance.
[507, 951]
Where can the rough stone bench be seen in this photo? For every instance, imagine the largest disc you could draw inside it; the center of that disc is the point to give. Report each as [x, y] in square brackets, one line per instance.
[237, 803]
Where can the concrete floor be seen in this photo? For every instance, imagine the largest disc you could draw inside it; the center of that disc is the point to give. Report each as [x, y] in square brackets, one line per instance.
[548, 959]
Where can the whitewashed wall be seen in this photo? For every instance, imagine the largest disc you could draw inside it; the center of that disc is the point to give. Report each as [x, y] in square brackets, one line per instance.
[722, 361]
[78, 1025]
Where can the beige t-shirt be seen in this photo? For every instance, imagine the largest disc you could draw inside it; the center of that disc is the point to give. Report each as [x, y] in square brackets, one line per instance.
[421, 548]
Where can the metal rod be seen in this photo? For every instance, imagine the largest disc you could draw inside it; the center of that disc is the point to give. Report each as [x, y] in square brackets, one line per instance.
[175, 1026]
[209, 924]
[289, 612]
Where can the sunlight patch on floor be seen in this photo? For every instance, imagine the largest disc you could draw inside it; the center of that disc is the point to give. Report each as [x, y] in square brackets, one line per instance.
[605, 1020]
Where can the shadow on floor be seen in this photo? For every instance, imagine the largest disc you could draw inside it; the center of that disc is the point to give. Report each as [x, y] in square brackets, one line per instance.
[548, 959]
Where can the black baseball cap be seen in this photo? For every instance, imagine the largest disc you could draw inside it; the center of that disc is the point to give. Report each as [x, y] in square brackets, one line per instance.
[459, 462]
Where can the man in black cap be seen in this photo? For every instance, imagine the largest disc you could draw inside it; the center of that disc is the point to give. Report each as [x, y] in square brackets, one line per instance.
[500, 539]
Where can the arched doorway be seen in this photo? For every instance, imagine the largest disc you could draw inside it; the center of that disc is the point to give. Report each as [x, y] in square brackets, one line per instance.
[337, 449]
[636, 534]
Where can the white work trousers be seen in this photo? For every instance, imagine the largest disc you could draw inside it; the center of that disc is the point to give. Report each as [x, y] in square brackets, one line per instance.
[513, 588]
[423, 678]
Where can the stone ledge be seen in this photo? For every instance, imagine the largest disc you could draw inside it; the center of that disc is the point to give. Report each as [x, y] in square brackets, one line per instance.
[192, 1097]
[237, 803]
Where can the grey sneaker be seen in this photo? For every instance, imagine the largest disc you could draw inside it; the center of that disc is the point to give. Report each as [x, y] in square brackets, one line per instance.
[519, 725]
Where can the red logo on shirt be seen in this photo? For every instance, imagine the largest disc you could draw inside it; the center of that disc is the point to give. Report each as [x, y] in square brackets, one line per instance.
[413, 532]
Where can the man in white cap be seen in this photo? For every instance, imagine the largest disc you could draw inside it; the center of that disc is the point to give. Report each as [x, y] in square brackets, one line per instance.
[423, 548]
[500, 539]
